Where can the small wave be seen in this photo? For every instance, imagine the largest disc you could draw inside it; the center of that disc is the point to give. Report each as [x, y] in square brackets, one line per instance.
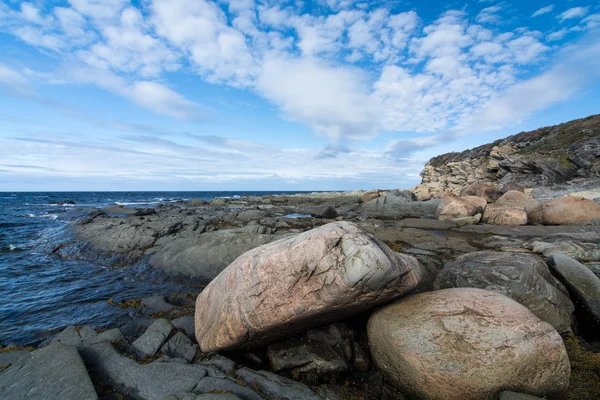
[53, 216]
[31, 215]
[12, 247]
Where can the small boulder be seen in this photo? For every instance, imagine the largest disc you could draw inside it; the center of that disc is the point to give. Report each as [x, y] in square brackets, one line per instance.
[489, 191]
[565, 210]
[286, 287]
[185, 323]
[370, 195]
[156, 304]
[502, 215]
[324, 212]
[523, 277]
[583, 285]
[452, 206]
[467, 344]
[154, 337]
[517, 200]
[305, 356]
[180, 346]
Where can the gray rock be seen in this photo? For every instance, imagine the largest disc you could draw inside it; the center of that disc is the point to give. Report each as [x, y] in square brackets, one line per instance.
[523, 277]
[207, 396]
[75, 336]
[398, 210]
[305, 356]
[53, 372]
[150, 381]
[228, 385]
[472, 220]
[208, 254]
[223, 364]
[506, 395]
[324, 211]
[583, 285]
[156, 304]
[154, 337]
[10, 357]
[337, 335]
[187, 324]
[275, 386]
[180, 346]
[111, 335]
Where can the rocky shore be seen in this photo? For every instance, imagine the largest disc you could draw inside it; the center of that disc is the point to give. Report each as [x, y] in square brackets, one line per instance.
[468, 287]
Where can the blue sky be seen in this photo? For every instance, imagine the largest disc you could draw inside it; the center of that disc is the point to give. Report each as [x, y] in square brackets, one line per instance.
[259, 95]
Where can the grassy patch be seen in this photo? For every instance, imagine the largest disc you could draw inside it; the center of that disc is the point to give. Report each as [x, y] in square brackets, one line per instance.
[15, 348]
[585, 371]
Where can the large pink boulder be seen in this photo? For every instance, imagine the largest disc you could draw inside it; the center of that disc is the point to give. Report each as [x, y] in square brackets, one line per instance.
[288, 286]
[467, 344]
[510, 209]
[565, 210]
[452, 206]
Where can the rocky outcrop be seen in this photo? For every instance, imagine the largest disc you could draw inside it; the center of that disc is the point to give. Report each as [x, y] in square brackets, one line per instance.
[524, 278]
[565, 210]
[54, 372]
[286, 287]
[467, 344]
[543, 157]
[511, 208]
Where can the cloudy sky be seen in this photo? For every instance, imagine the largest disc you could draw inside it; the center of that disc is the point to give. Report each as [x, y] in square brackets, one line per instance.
[263, 95]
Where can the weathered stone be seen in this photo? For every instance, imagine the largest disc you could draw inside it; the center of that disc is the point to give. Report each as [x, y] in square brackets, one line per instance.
[506, 395]
[467, 344]
[10, 356]
[453, 206]
[490, 192]
[582, 284]
[85, 336]
[565, 210]
[226, 384]
[53, 372]
[523, 277]
[310, 279]
[277, 387]
[180, 346]
[467, 220]
[154, 337]
[517, 200]
[151, 381]
[503, 215]
[507, 187]
[305, 356]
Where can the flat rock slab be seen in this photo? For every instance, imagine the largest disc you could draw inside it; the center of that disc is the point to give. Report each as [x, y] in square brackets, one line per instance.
[523, 277]
[467, 344]
[53, 372]
[289, 286]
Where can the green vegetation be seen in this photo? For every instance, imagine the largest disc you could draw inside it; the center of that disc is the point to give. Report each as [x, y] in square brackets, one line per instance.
[585, 371]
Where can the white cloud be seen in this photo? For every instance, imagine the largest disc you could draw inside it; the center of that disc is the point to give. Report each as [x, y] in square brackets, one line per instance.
[161, 99]
[543, 10]
[333, 100]
[489, 14]
[575, 12]
[14, 80]
[558, 35]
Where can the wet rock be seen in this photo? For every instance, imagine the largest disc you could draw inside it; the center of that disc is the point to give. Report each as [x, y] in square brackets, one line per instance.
[316, 277]
[156, 304]
[305, 356]
[144, 212]
[524, 278]
[490, 192]
[53, 372]
[565, 210]
[324, 212]
[583, 285]
[467, 344]
[154, 337]
[180, 346]
[453, 206]
[186, 323]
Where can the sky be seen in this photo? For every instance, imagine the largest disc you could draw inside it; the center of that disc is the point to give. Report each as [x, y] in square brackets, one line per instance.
[293, 95]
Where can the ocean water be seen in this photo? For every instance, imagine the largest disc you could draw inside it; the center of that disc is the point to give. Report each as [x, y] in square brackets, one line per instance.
[40, 292]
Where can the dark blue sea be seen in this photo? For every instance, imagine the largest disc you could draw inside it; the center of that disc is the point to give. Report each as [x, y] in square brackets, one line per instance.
[39, 291]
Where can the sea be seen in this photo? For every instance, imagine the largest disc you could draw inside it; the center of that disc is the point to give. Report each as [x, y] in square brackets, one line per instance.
[41, 293]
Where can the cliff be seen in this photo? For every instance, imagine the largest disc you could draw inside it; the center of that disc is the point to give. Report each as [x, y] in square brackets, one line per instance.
[544, 157]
